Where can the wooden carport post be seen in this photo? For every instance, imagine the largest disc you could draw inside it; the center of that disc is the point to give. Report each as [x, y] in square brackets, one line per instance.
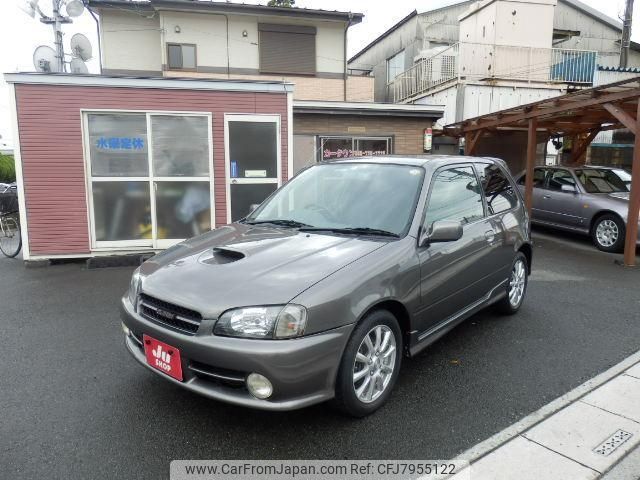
[531, 161]
[634, 199]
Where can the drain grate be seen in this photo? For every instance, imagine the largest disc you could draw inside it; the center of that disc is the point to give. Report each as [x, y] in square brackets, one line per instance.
[613, 442]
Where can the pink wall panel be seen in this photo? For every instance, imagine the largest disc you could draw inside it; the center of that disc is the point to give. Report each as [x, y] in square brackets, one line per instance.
[49, 121]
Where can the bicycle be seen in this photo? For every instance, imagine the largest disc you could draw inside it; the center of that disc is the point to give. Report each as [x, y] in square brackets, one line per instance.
[10, 237]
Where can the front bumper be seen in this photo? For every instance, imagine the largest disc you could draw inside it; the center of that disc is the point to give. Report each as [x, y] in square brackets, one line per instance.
[302, 370]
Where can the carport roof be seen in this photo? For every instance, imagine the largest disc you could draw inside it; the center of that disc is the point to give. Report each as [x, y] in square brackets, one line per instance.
[581, 115]
[606, 107]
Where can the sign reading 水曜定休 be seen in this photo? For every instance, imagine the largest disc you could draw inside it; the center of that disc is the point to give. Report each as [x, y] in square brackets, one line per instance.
[120, 143]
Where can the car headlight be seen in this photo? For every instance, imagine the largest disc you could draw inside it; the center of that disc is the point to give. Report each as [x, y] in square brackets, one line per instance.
[280, 321]
[134, 288]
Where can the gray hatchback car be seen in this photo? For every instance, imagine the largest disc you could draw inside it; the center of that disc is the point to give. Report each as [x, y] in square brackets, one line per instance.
[320, 292]
[589, 200]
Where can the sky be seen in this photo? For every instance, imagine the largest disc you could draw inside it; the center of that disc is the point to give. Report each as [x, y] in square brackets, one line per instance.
[20, 34]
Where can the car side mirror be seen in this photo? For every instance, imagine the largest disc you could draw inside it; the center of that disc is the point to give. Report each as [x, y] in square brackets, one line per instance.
[442, 231]
[568, 188]
[253, 207]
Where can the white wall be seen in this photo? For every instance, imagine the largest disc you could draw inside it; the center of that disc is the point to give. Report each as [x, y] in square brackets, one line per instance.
[134, 42]
[208, 32]
[464, 101]
[130, 42]
[509, 22]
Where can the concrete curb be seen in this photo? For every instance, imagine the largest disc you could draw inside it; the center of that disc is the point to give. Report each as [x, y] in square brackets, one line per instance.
[484, 448]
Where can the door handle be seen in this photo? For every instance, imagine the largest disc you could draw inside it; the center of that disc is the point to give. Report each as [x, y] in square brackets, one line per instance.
[489, 235]
[546, 197]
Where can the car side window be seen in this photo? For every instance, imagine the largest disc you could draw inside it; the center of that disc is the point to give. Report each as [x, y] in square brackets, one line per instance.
[455, 195]
[559, 178]
[538, 178]
[497, 188]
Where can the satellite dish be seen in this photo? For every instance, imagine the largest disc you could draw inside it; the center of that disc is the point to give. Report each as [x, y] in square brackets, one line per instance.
[45, 59]
[75, 8]
[29, 7]
[81, 46]
[78, 66]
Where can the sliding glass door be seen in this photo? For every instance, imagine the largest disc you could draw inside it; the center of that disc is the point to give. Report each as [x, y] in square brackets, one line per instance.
[150, 178]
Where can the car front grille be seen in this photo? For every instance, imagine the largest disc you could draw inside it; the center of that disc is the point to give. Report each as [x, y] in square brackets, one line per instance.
[169, 315]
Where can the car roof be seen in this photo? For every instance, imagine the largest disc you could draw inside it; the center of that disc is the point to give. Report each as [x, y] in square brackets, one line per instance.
[580, 167]
[433, 161]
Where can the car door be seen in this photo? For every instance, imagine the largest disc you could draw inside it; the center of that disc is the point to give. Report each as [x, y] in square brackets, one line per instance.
[539, 178]
[562, 208]
[501, 204]
[453, 274]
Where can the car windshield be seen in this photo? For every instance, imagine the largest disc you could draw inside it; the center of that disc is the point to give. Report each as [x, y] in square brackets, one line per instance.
[358, 197]
[604, 180]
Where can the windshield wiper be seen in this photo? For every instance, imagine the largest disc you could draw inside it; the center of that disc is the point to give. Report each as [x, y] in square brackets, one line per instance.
[280, 222]
[352, 230]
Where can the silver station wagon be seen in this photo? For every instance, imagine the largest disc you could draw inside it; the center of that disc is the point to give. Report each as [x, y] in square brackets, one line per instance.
[320, 292]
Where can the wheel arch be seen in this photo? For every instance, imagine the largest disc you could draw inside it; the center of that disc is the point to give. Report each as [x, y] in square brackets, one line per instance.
[398, 310]
[601, 213]
[527, 250]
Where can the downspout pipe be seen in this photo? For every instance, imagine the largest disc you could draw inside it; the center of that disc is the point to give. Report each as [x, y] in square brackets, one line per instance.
[346, 68]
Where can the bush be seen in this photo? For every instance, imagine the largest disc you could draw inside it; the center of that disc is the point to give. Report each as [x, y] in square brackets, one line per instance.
[7, 169]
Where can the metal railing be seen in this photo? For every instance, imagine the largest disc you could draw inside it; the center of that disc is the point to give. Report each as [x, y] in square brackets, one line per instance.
[494, 62]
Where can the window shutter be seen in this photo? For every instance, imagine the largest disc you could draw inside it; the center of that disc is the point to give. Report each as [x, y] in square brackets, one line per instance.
[287, 49]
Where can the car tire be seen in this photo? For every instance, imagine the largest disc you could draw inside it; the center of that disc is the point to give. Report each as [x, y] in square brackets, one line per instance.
[354, 396]
[608, 233]
[516, 286]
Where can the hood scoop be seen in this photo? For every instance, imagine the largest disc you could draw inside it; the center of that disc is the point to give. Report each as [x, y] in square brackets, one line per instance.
[221, 255]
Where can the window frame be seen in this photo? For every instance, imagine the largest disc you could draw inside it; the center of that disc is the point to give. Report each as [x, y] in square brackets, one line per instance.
[250, 118]
[388, 61]
[514, 186]
[183, 69]
[154, 243]
[432, 179]
[545, 169]
[571, 174]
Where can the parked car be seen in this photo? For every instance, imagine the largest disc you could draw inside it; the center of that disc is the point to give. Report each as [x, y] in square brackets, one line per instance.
[589, 200]
[320, 292]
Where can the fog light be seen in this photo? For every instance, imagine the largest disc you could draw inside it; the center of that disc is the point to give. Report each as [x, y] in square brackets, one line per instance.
[259, 386]
[125, 329]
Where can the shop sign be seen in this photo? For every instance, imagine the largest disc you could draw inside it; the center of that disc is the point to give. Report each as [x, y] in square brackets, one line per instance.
[347, 153]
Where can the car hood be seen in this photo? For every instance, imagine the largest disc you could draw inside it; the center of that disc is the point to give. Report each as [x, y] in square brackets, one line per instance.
[241, 265]
[620, 195]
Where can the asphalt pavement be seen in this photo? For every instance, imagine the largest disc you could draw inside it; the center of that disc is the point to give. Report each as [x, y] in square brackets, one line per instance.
[75, 405]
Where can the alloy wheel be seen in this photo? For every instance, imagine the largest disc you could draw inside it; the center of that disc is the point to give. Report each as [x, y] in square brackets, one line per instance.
[517, 283]
[374, 364]
[607, 233]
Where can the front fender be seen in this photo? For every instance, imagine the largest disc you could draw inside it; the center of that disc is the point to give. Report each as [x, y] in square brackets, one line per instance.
[391, 272]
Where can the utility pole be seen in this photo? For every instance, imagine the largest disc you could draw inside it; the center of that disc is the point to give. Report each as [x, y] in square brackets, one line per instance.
[56, 21]
[626, 34]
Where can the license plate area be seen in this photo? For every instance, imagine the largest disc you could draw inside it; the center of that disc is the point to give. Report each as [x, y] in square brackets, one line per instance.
[163, 357]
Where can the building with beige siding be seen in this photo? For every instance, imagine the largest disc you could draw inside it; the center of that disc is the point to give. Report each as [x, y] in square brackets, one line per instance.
[303, 47]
